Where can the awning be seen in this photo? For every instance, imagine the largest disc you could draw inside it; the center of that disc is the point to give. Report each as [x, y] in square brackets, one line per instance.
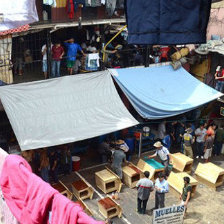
[63, 110]
[160, 92]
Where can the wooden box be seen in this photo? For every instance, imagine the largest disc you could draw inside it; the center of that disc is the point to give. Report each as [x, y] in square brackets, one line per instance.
[152, 166]
[176, 183]
[84, 207]
[131, 175]
[82, 190]
[181, 162]
[109, 208]
[62, 189]
[108, 181]
[210, 174]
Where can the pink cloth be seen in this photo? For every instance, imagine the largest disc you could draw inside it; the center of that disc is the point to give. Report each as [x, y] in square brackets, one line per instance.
[28, 197]
[6, 216]
[66, 211]
[31, 199]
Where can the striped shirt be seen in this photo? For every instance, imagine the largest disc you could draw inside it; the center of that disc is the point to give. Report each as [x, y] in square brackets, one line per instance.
[144, 186]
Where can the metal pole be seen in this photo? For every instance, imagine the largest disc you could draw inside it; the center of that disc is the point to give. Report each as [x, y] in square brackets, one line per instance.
[102, 40]
[140, 146]
[104, 49]
[48, 53]
[147, 56]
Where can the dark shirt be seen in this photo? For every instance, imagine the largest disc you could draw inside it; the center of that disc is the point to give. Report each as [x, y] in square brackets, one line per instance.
[186, 189]
[219, 137]
[118, 158]
[52, 159]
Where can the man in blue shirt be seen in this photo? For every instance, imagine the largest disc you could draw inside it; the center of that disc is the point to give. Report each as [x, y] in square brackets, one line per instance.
[161, 187]
[72, 49]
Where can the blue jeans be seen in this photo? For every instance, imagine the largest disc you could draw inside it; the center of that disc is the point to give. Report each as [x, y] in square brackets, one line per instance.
[44, 174]
[44, 66]
[219, 86]
[56, 68]
[54, 174]
[200, 148]
[217, 148]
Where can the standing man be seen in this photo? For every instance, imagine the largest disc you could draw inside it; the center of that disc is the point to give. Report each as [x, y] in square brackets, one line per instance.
[144, 186]
[162, 130]
[161, 187]
[188, 141]
[72, 49]
[200, 134]
[163, 154]
[44, 61]
[167, 141]
[57, 54]
[186, 194]
[19, 56]
[53, 160]
[219, 139]
[118, 158]
[209, 140]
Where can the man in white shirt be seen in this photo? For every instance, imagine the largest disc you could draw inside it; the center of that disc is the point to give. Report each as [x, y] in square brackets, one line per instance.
[163, 153]
[200, 134]
[161, 187]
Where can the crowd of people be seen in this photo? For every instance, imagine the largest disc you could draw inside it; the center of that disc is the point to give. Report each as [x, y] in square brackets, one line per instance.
[49, 163]
[201, 142]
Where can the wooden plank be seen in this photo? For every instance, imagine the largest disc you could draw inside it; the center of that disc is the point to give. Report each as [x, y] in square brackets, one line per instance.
[181, 162]
[210, 174]
[176, 182]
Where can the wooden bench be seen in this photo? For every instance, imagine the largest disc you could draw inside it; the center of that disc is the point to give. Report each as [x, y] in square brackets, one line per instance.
[109, 208]
[181, 163]
[210, 174]
[152, 166]
[82, 190]
[131, 175]
[62, 189]
[107, 181]
[84, 207]
[176, 183]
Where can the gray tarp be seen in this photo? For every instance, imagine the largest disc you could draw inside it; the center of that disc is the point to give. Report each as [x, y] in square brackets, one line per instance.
[63, 110]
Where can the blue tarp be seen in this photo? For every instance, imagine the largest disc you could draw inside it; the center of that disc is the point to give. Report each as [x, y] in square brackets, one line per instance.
[159, 92]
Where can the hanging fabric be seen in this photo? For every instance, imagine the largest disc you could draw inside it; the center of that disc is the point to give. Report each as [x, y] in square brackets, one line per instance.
[93, 3]
[110, 6]
[52, 3]
[31, 199]
[17, 13]
[70, 9]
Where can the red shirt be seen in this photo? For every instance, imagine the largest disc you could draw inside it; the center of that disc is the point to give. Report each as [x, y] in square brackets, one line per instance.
[220, 74]
[57, 52]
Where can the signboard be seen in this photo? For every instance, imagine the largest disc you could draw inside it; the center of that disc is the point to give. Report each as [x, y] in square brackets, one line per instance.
[170, 215]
